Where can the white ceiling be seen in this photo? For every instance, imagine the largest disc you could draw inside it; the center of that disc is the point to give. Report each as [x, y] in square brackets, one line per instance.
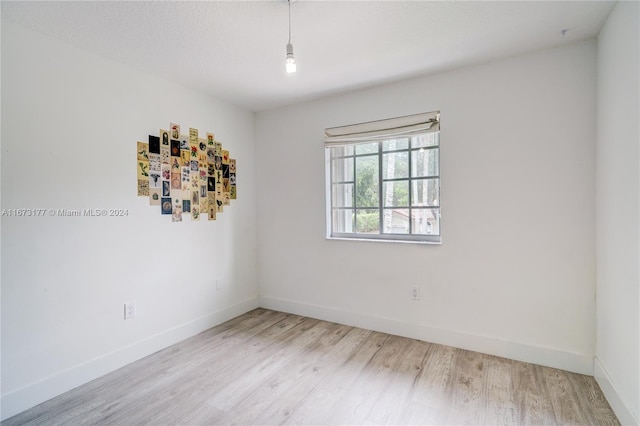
[234, 50]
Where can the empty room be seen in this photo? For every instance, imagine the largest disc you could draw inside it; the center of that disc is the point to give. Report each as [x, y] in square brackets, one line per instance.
[320, 212]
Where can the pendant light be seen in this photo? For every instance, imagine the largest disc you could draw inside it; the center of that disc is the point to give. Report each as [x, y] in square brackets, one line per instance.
[290, 63]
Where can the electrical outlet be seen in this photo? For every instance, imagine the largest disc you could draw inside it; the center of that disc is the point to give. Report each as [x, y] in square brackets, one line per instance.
[415, 293]
[129, 310]
[219, 283]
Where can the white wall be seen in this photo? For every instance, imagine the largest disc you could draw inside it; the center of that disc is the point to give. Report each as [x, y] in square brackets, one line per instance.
[515, 275]
[70, 122]
[617, 363]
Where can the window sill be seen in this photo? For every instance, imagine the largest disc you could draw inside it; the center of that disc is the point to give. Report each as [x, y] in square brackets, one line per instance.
[376, 240]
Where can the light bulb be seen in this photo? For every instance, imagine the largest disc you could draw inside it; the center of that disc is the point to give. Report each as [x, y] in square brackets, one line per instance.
[290, 63]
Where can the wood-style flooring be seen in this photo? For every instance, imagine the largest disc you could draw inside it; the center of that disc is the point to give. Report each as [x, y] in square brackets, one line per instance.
[268, 367]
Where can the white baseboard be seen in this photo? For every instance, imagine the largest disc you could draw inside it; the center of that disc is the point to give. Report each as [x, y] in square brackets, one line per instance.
[568, 361]
[625, 415]
[18, 400]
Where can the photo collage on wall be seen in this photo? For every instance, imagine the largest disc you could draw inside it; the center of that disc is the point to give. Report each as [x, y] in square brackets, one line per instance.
[186, 174]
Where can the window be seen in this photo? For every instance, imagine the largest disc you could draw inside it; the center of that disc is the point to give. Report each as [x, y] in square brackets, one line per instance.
[383, 179]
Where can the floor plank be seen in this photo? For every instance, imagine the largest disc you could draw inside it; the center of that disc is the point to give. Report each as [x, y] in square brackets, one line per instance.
[532, 399]
[268, 367]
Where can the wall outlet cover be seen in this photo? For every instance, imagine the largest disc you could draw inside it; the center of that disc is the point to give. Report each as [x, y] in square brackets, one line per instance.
[129, 310]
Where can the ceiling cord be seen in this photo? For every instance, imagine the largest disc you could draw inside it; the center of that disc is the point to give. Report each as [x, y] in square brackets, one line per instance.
[289, 1]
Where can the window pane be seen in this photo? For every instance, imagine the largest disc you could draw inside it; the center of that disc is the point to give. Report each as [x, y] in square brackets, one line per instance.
[342, 170]
[367, 181]
[425, 192]
[367, 148]
[396, 221]
[342, 195]
[342, 221]
[386, 189]
[428, 139]
[368, 221]
[425, 221]
[396, 193]
[393, 144]
[395, 165]
[424, 162]
[341, 151]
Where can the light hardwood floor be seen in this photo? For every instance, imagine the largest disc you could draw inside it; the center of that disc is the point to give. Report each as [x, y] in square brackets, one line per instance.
[267, 367]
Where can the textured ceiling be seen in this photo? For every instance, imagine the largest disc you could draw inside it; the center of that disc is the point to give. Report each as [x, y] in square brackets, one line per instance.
[234, 50]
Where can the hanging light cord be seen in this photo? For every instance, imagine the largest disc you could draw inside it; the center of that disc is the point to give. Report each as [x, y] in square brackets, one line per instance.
[289, 1]
[290, 63]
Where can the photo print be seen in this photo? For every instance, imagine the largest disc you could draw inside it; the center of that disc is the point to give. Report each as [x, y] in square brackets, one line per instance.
[211, 206]
[193, 134]
[176, 213]
[154, 144]
[175, 164]
[165, 205]
[195, 180]
[186, 178]
[175, 148]
[211, 155]
[202, 156]
[154, 162]
[164, 137]
[154, 196]
[143, 187]
[165, 154]
[185, 156]
[143, 151]
[204, 204]
[166, 171]
[175, 130]
[176, 180]
[143, 169]
[184, 143]
[154, 180]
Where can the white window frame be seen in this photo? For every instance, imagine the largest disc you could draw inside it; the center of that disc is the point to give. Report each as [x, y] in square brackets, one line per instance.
[381, 131]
